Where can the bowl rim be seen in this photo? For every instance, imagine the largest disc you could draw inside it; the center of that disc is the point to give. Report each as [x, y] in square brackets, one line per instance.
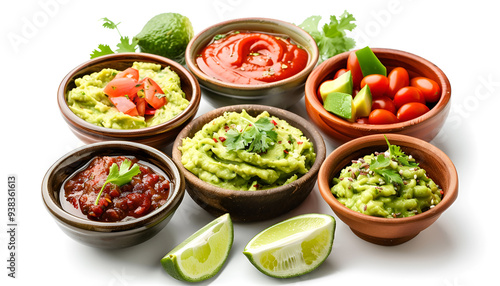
[317, 106]
[451, 191]
[211, 31]
[62, 216]
[180, 118]
[319, 146]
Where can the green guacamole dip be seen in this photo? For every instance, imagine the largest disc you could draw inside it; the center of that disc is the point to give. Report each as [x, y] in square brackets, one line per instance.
[207, 156]
[88, 101]
[389, 185]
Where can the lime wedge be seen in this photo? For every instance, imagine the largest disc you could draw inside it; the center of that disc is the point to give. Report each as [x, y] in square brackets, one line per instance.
[201, 255]
[292, 247]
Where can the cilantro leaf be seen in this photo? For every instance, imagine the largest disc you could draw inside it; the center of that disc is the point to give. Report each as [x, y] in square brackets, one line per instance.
[256, 137]
[390, 175]
[126, 46]
[119, 176]
[109, 24]
[101, 50]
[332, 39]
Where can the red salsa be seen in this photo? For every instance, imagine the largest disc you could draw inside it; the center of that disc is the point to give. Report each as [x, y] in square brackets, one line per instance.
[146, 192]
[251, 58]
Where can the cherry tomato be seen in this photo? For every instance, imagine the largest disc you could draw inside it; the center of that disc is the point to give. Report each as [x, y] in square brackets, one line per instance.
[382, 116]
[130, 73]
[383, 102]
[411, 110]
[153, 92]
[119, 86]
[363, 120]
[339, 73]
[378, 84]
[356, 73]
[408, 94]
[429, 88]
[398, 78]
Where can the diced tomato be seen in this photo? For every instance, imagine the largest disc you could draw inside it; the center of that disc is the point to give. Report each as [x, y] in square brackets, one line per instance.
[141, 106]
[120, 87]
[129, 73]
[149, 110]
[153, 92]
[124, 105]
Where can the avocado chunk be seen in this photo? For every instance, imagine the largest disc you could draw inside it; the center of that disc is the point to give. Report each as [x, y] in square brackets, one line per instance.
[341, 84]
[363, 102]
[369, 63]
[340, 103]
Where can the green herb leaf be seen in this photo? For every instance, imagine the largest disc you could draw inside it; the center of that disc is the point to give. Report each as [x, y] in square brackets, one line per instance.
[101, 50]
[125, 46]
[119, 176]
[390, 176]
[109, 24]
[256, 137]
[332, 39]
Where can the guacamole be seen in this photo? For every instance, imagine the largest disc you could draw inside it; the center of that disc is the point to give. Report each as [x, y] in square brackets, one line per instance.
[389, 185]
[88, 101]
[209, 156]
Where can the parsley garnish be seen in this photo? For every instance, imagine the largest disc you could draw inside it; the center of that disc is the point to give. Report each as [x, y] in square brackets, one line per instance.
[119, 176]
[255, 137]
[331, 40]
[125, 45]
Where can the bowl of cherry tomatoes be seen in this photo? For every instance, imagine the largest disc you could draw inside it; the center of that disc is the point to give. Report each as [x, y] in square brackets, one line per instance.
[407, 95]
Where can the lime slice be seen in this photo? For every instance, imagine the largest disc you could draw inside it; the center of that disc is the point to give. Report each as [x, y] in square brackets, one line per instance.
[292, 247]
[201, 255]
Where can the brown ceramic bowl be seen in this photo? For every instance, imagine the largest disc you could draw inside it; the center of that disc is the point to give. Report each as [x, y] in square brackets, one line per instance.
[282, 94]
[155, 136]
[389, 231]
[251, 205]
[425, 127]
[111, 234]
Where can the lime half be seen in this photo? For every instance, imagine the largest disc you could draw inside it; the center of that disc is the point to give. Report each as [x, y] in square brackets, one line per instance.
[201, 255]
[292, 247]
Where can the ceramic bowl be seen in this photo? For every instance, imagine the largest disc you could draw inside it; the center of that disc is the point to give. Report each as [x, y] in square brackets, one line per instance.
[389, 231]
[251, 205]
[155, 136]
[425, 127]
[282, 94]
[111, 234]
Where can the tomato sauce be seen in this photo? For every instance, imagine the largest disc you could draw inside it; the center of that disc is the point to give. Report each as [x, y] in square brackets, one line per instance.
[251, 58]
[146, 192]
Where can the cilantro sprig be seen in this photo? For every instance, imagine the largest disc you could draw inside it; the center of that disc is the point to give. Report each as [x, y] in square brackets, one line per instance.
[255, 137]
[331, 39]
[119, 176]
[125, 44]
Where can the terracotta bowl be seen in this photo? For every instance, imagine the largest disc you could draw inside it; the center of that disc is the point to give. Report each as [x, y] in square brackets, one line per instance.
[389, 231]
[155, 136]
[425, 127]
[282, 94]
[251, 205]
[111, 234]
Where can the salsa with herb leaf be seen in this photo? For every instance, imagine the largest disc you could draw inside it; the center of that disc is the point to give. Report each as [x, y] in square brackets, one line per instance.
[240, 152]
[251, 58]
[114, 189]
[389, 184]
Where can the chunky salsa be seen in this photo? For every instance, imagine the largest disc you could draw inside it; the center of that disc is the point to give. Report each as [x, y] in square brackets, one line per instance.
[145, 192]
[251, 58]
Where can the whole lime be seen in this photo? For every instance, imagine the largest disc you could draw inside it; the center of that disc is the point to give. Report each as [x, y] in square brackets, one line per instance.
[166, 34]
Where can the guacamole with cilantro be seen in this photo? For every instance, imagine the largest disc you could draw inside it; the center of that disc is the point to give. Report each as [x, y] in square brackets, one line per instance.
[89, 102]
[240, 152]
[389, 185]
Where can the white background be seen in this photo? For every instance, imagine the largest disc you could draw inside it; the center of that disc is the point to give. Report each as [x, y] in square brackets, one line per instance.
[41, 41]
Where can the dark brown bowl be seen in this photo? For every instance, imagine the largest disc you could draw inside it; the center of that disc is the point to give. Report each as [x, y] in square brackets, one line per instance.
[251, 205]
[389, 231]
[282, 94]
[156, 136]
[425, 127]
[111, 234]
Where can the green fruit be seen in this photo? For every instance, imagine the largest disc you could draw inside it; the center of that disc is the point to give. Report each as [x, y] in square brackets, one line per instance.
[340, 103]
[341, 84]
[363, 102]
[167, 35]
[201, 255]
[369, 63]
[292, 247]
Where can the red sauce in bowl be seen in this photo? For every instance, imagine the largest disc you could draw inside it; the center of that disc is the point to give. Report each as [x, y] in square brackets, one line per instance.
[146, 192]
[251, 58]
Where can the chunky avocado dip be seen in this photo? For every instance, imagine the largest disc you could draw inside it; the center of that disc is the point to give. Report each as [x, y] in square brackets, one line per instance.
[89, 101]
[389, 185]
[240, 152]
